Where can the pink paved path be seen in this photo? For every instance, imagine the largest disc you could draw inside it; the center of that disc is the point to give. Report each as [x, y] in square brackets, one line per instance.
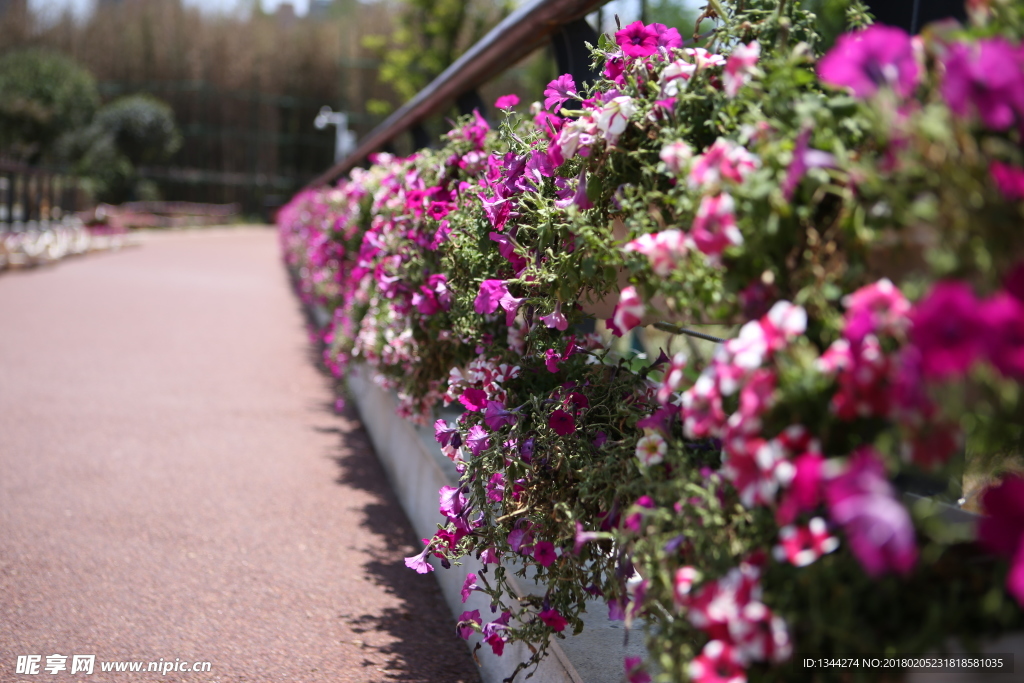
[173, 483]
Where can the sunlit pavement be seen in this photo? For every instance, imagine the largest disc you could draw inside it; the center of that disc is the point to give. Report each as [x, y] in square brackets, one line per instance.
[175, 485]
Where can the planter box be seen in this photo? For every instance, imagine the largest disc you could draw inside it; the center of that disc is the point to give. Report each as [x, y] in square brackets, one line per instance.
[417, 469]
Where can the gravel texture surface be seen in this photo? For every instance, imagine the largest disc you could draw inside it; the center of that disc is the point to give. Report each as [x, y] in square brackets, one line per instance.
[175, 484]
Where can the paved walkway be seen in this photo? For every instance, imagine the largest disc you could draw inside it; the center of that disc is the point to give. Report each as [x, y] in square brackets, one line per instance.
[174, 484]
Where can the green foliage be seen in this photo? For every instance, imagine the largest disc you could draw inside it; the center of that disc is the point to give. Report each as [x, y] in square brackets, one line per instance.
[430, 35]
[129, 132]
[43, 95]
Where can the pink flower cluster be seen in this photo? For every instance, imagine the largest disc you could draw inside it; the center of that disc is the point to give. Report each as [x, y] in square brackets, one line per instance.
[742, 630]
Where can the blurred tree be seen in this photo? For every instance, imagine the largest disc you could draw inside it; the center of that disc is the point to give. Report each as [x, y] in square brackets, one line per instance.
[430, 35]
[128, 133]
[43, 95]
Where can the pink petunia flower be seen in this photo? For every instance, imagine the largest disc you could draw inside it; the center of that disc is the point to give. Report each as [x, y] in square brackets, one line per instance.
[724, 160]
[556, 319]
[801, 546]
[506, 101]
[628, 312]
[864, 61]
[717, 663]
[664, 249]
[740, 67]
[714, 226]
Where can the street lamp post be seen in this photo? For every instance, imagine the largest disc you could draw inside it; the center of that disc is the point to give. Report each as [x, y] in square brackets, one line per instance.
[344, 139]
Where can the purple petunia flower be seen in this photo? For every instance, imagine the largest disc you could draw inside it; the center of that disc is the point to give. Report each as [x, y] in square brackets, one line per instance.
[562, 423]
[477, 440]
[864, 61]
[877, 526]
[466, 621]
[558, 91]
[419, 562]
[468, 586]
[637, 40]
[446, 435]
[452, 502]
[665, 36]
[496, 416]
[496, 487]
[582, 538]
[804, 158]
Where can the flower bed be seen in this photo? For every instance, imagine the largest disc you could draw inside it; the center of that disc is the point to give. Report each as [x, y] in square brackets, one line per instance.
[854, 217]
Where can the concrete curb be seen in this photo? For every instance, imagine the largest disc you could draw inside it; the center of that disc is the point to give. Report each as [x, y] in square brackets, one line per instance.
[417, 469]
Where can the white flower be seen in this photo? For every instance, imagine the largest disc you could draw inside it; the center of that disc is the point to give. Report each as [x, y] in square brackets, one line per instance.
[613, 117]
[651, 449]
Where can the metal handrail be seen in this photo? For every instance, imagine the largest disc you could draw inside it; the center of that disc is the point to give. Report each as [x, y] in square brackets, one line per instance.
[519, 34]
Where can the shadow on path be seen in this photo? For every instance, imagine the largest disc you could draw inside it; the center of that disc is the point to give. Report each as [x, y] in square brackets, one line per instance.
[419, 650]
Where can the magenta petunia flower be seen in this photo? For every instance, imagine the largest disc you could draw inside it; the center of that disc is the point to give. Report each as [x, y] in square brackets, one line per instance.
[562, 423]
[878, 528]
[1009, 180]
[468, 586]
[637, 40]
[1001, 531]
[948, 330]
[986, 77]
[506, 101]
[558, 91]
[474, 399]
[1003, 317]
[553, 619]
[864, 61]
[635, 672]
[490, 295]
[544, 553]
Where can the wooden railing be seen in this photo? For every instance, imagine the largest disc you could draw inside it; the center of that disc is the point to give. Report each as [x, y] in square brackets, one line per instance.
[522, 32]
